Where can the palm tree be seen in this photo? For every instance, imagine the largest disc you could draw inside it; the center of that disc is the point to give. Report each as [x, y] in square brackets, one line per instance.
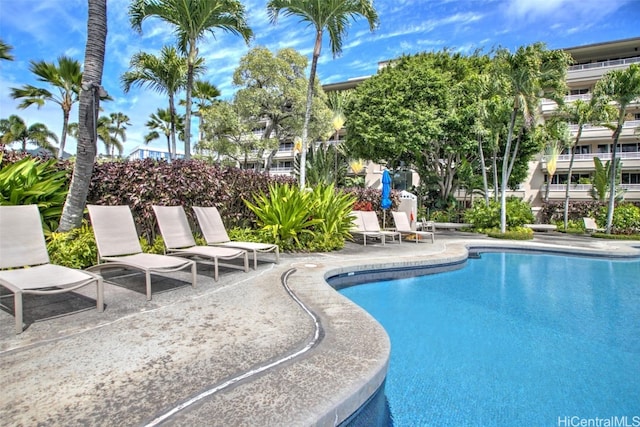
[4, 51]
[118, 130]
[204, 93]
[528, 75]
[106, 132]
[165, 73]
[192, 20]
[162, 122]
[580, 113]
[623, 87]
[332, 15]
[90, 95]
[14, 129]
[64, 77]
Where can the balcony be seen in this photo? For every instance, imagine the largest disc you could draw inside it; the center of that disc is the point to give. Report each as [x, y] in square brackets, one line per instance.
[604, 64]
[582, 191]
[592, 72]
[584, 162]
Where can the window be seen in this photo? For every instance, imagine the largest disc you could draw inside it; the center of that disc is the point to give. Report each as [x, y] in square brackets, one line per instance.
[629, 148]
[603, 148]
[630, 178]
[580, 91]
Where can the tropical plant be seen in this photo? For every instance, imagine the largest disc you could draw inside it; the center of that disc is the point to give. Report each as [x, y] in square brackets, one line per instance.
[65, 78]
[105, 131]
[192, 20]
[89, 106]
[166, 73]
[5, 50]
[626, 218]
[555, 133]
[161, 122]
[484, 217]
[581, 113]
[204, 95]
[333, 207]
[283, 214]
[75, 249]
[601, 181]
[622, 87]
[118, 130]
[14, 129]
[332, 16]
[525, 77]
[325, 165]
[32, 181]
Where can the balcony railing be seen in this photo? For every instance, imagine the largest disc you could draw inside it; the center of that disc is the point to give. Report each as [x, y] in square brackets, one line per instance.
[603, 64]
[587, 187]
[627, 124]
[601, 156]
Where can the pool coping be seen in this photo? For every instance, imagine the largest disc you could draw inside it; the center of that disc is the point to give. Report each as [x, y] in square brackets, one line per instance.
[321, 386]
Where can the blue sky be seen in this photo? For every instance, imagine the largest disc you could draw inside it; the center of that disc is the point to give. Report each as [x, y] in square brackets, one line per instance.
[45, 30]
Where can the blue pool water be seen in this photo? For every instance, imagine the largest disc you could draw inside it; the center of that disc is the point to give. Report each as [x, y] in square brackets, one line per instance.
[511, 339]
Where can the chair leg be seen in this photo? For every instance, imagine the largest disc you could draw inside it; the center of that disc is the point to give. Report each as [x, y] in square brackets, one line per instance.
[215, 269]
[255, 260]
[147, 276]
[246, 261]
[100, 298]
[17, 304]
[194, 274]
[277, 255]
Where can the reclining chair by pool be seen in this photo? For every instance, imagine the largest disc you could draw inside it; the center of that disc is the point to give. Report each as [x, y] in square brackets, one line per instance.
[404, 227]
[178, 239]
[215, 234]
[24, 252]
[590, 225]
[119, 247]
[366, 225]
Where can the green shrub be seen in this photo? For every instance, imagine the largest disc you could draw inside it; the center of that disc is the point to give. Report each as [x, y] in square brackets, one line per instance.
[156, 248]
[33, 181]
[484, 217]
[516, 233]
[626, 218]
[76, 248]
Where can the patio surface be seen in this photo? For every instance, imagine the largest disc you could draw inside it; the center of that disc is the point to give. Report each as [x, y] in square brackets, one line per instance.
[273, 347]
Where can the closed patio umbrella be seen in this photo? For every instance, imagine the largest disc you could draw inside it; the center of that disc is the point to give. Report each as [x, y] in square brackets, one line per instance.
[385, 202]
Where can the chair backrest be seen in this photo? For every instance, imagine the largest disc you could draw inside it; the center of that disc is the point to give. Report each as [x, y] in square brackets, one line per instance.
[174, 227]
[114, 230]
[357, 224]
[211, 224]
[401, 220]
[370, 220]
[21, 237]
[590, 224]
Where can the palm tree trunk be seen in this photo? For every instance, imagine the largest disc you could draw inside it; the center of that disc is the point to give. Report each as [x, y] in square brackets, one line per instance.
[307, 113]
[189, 90]
[73, 209]
[612, 182]
[505, 175]
[63, 137]
[566, 193]
[483, 167]
[172, 116]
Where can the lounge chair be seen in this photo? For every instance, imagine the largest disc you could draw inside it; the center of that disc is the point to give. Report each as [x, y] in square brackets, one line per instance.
[178, 239]
[404, 227]
[366, 224]
[24, 252]
[215, 234]
[118, 246]
[590, 225]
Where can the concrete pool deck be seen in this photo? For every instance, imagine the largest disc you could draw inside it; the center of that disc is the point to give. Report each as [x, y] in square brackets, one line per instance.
[273, 347]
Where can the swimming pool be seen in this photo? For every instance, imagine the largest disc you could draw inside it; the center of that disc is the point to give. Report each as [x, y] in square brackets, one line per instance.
[511, 339]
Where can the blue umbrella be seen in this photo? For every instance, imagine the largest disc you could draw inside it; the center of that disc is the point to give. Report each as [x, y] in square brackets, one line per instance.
[385, 202]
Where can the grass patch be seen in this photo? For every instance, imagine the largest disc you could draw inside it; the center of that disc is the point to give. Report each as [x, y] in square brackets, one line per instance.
[517, 233]
[616, 236]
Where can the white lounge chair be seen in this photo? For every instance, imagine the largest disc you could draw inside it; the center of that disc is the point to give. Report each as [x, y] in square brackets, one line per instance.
[215, 234]
[24, 251]
[590, 225]
[366, 224]
[118, 246]
[404, 227]
[178, 239]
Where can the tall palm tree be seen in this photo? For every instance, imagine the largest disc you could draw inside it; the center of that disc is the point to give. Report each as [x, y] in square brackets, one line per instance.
[65, 78]
[580, 113]
[330, 15]
[623, 87]
[14, 129]
[90, 95]
[162, 122]
[5, 50]
[166, 73]
[204, 94]
[192, 20]
[526, 76]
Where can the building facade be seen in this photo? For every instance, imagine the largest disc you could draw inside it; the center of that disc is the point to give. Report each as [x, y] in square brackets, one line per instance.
[591, 62]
